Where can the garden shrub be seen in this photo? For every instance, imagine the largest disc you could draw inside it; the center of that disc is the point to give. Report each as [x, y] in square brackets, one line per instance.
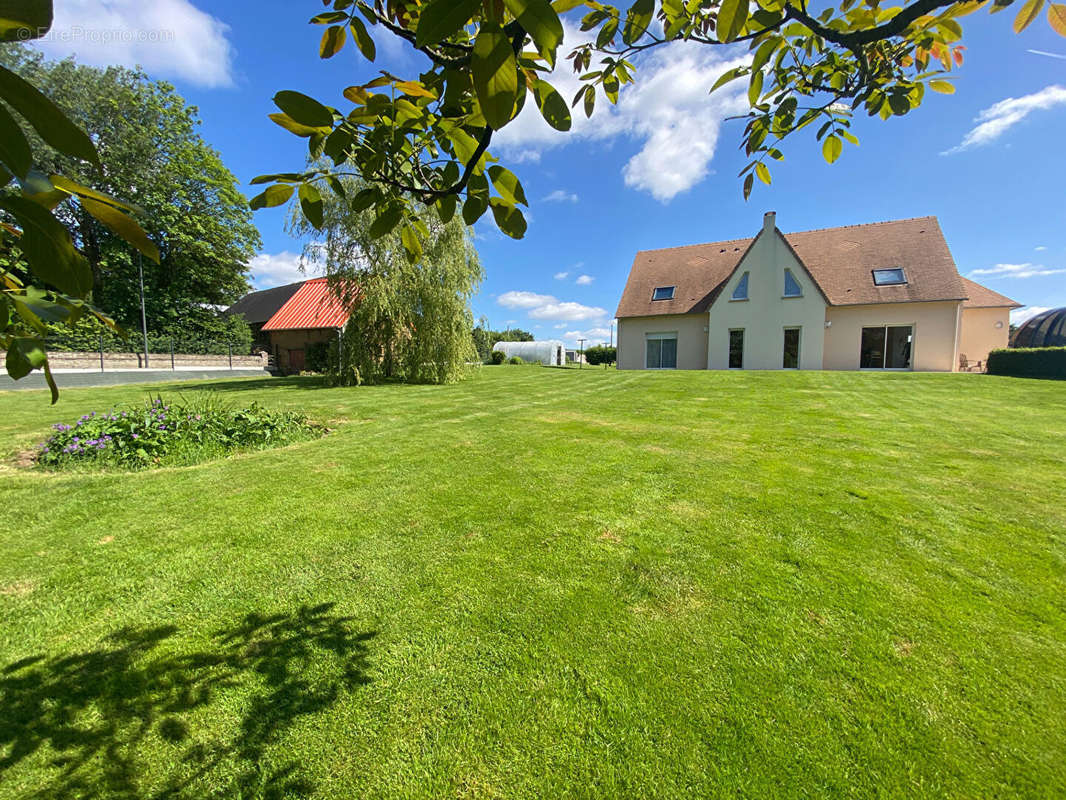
[497, 357]
[317, 356]
[1028, 362]
[169, 433]
[515, 360]
[600, 354]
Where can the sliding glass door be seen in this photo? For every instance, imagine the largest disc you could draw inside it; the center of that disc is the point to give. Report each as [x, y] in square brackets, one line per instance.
[886, 347]
[661, 351]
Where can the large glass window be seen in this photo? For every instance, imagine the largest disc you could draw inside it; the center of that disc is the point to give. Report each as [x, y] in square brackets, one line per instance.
[791, 359]
[661, 351]
[792, 287]
[886, 347]
[736, 349]
[741, 292]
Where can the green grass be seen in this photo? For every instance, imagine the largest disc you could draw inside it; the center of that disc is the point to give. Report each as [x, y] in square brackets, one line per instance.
[552, 583]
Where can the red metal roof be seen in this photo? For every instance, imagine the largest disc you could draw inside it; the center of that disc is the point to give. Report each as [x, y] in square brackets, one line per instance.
[313, 306]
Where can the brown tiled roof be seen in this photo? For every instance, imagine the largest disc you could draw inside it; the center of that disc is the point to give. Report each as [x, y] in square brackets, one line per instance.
[983, 297]
[840, 261]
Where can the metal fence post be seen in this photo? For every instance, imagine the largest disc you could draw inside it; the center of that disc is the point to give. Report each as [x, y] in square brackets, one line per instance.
[172, 367]
[101, 352]
[229, 347]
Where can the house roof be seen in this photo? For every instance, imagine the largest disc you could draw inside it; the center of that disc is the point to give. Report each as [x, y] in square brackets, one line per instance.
[313, 306]
[839, 260]
[979, 296]
[260, 306]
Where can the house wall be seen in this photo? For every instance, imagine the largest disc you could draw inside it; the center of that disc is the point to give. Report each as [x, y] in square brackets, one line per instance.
[979, 335]
[766, 313]
[281, 342]
[691, 339]
[936, 325]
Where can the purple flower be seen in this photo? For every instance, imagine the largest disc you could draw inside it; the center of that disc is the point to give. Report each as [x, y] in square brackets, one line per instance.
[162, 427]
[136, 436]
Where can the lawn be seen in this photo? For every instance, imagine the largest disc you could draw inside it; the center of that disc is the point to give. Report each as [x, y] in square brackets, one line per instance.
[546, 582]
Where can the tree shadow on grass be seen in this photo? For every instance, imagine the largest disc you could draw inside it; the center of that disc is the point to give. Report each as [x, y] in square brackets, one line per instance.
[122, 721]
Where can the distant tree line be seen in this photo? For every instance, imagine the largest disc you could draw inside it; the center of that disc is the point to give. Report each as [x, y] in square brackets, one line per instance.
[601, 354]
[485, 339]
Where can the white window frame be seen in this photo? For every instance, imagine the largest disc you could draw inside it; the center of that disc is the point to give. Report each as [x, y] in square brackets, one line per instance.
[654, 299]
[799, 345]
[784, 289]
[914, 340]
[743, 346]
[660, 335]
[746, 280]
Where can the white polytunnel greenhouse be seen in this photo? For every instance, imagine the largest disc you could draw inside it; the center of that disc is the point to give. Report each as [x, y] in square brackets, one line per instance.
[550, 353]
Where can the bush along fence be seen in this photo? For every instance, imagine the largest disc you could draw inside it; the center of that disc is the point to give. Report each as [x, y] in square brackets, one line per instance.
[112, 354]
[1028, 362]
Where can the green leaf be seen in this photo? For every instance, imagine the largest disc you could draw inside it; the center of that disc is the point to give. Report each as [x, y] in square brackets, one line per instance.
[14, 149]
[46, 118]
[292, 126]
[755, 87]
[412, 245]
[22, 20]
[474, 207]
[363, 39]
[442, 18]
[590, 100]
[944, 87]
[446, 208]
[832, 148]
[763, 173]
[508, 218]
[329, 18]
[540, 21]
[47, 247]
[1030, 10]
[507, 185]
[1056, 16]
[304, 110]
[24, 355]
[122, 225]
[311, 203]
[552, 106]
[75, 188]
[386, 221]
[749, 182]
[275, 195]
[333, 40]
[638, 18]
[364, 199]
[732, 16]
[495, 74]
[727, 76]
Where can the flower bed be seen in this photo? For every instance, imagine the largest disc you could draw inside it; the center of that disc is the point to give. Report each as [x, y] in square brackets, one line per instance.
[169, 433]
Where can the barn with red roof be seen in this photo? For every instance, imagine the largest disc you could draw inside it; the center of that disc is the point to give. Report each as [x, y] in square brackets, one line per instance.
[288, 320]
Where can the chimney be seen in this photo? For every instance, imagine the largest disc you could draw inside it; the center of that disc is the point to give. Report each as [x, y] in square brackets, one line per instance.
[769, 221]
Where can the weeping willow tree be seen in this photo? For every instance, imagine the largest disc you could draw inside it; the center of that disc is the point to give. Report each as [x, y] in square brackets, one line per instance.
[410, 320]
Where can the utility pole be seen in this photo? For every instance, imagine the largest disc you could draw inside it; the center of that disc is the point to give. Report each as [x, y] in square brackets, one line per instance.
[581, 353]
[612, 334]
[144, 324]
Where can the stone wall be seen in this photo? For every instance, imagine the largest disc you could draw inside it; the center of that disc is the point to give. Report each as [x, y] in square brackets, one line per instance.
[62, 360]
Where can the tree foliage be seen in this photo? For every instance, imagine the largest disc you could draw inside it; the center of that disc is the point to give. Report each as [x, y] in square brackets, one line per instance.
[150, 149]
[44, 278]
[485, 338]
[410, 321]
[601, 354]
[423, 141]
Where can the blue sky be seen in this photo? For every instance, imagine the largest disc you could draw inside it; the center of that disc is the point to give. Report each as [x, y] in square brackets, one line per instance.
[658, 171]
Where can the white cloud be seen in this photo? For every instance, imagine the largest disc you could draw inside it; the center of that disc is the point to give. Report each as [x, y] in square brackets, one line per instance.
[1020, 315]
[1040, 248]
[548, 307]
[996, 120]
[169, 38]
[561, 276]
[592, 336]
[668, 110]
[560, 196]
[1016, 271]
[279, 269]
[584, 280]
[524, 299]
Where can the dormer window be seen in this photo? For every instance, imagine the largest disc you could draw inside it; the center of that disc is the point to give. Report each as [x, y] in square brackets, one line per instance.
[792, 287]
[889, 277]
[741, 292]
[663, 293]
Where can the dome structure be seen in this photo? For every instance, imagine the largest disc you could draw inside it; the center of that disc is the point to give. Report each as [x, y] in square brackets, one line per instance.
[550, 353]
[1043, 330]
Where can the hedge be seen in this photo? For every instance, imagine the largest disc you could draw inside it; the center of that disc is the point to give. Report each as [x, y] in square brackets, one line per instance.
[1028, 362]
